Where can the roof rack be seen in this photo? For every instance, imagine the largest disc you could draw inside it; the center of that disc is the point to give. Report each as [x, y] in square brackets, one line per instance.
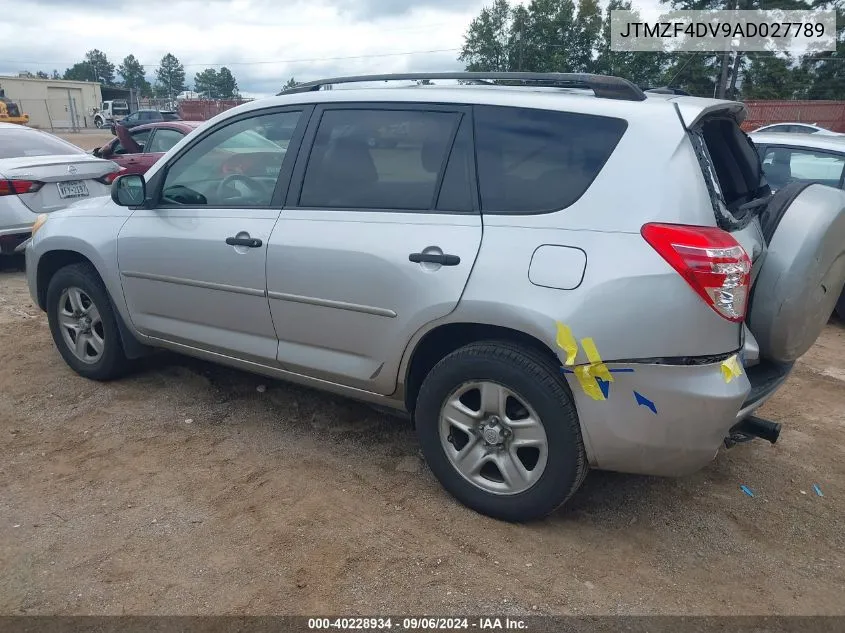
[604, 86]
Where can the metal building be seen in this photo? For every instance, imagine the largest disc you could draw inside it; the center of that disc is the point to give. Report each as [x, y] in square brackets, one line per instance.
[54, 103]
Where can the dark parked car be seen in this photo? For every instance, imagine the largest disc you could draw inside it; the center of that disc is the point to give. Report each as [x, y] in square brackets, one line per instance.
[142, 117]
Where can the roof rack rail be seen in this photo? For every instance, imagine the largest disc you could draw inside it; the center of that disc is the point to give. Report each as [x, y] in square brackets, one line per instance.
[604, 86]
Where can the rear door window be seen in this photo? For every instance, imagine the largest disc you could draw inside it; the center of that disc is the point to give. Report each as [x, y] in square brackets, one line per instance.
[164, 139]
[378, 159]
[537, 161]
[783, 165]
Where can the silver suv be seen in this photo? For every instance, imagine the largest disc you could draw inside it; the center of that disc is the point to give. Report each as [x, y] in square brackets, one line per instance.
[550, 272]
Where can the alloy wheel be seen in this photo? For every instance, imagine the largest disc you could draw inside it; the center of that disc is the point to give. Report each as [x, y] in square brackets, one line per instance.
[493, 438]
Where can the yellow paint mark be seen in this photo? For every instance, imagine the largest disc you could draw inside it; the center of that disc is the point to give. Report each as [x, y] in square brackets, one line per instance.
[731, 368]
[584, 374]
[597, 367]
[567, 342]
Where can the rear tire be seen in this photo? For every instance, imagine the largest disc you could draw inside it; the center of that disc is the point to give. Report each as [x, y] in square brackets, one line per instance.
[83, 323]
[508, 484]
[840, 307]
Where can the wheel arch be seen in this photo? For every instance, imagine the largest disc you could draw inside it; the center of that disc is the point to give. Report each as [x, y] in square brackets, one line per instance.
[439, 341]
[53, 261]
[49, 264]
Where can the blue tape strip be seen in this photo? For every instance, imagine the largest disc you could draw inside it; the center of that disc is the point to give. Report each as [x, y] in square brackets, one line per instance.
[818, 490]
[624, 370]
[747, 491]
[604, 386]
[645, 402]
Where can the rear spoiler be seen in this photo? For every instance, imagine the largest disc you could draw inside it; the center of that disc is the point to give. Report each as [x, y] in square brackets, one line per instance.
[693, 110]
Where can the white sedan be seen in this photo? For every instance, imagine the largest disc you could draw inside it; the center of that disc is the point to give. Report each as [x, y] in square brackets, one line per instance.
[40, 173]
[796, 128]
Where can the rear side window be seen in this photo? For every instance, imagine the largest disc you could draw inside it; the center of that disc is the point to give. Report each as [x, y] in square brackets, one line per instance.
[378, 159]
[536, 161]
[164, 139]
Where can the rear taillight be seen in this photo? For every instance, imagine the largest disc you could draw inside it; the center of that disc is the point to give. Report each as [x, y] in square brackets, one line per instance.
[109, 178]
[17, 187]
[710, 259]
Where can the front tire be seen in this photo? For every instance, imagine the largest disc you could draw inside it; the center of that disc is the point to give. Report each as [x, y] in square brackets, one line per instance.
[498, 427]
[83, 323]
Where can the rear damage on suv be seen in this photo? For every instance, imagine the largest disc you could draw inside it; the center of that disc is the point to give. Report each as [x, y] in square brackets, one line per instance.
[795, 244]
[681, 315]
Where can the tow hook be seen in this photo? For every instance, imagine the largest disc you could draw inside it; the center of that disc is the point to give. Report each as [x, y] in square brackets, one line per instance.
[752, 427]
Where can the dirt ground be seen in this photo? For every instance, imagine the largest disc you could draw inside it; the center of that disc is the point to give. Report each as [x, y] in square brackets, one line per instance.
[188, 488]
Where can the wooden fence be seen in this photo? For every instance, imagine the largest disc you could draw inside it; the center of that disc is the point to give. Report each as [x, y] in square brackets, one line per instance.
[826, 114]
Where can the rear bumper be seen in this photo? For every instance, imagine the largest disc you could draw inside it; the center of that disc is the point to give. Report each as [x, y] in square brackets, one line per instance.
[661, 419]
[16, 220]
[32, 274]
[765, 378]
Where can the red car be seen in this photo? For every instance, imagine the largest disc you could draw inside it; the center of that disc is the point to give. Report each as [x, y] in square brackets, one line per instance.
[136, 150]
[247, 152]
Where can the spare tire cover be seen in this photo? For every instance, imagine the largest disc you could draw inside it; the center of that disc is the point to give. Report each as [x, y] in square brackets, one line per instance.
[802, 274]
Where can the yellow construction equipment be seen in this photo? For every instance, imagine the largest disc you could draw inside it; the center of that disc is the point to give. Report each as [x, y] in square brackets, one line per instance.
[10, 112]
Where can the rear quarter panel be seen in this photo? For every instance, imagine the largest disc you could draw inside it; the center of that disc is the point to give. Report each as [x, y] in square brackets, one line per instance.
[630, 301]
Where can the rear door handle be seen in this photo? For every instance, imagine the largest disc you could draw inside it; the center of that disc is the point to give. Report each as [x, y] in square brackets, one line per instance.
[434, 258]
[250, 242]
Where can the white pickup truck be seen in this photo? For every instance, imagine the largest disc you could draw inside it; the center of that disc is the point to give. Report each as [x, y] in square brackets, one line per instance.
[110, 112]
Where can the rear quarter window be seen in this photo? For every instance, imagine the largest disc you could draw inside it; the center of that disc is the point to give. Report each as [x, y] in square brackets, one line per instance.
[539, 161]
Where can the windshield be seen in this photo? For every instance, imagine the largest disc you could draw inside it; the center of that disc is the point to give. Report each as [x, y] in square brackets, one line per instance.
[17, 143]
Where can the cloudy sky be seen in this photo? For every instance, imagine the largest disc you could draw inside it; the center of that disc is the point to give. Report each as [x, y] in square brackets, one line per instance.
[263, 42]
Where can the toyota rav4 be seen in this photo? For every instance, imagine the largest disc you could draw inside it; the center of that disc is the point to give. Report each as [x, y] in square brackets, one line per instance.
[549, 272]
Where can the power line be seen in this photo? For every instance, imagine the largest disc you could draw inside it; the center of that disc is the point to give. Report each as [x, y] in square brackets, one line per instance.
[254, 63]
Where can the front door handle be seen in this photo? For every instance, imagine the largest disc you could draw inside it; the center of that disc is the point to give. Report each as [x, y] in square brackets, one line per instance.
[434, 258]
[250, 242]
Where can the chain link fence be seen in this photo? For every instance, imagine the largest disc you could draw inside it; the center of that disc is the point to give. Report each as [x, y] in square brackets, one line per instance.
[192, 109]
[67, 114]
[56, 114]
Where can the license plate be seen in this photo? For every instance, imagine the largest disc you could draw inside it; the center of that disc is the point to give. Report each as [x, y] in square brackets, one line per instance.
[72, 189]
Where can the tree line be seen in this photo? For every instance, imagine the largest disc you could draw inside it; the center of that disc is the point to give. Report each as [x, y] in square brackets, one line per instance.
[169, 81]
[574, 36]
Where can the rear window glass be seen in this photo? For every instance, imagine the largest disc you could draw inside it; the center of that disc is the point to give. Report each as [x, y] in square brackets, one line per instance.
[534, 161]
[15, 143]
[735, 161]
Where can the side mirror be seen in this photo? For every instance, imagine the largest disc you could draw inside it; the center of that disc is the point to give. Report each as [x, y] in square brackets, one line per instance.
[129, 190]
[96, 152]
